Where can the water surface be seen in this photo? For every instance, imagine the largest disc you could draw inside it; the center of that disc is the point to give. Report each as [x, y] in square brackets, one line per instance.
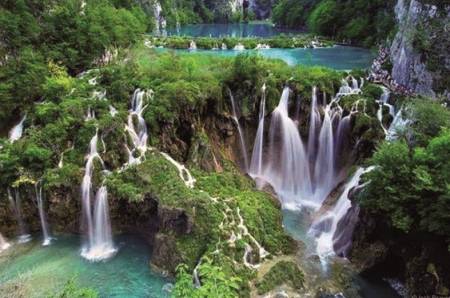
[337, 57]
[296, 223]
[36, 271]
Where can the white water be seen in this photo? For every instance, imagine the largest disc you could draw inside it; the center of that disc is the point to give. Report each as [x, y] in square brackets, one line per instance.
[98, 245]
[137, 131]
[240, 131]
[256, 165]
[16, 132]
[398, 126]
[4, 245]
[239, 47]
[288, 170]
[383, 102]
[303, 176]
[184, 173]
[325, 227]
[192, 46]
[17, 210]
[101, 245]
[44, 225]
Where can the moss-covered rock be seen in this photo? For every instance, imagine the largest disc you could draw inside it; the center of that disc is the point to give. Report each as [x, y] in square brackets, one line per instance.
[284, 272]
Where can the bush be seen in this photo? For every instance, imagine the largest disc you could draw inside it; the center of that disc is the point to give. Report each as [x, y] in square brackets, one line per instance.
[283, 272]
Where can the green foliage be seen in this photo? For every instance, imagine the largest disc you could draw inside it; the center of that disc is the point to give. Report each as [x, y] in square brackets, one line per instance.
[214, 282]
[358, 21]
[410, 187]
[280, 41]
[39, 38]
[283, 272]
[323, 18]
[73, 290]
[428, 117]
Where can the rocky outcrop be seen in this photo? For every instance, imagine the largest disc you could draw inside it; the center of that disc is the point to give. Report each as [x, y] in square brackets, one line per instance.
[413, 65]
[421, 262]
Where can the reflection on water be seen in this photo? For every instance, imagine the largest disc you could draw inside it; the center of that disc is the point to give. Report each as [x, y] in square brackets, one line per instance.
[36, 271]
[231, 30]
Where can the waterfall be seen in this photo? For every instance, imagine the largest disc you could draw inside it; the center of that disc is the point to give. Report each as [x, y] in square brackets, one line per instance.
[383, 101]
[324, 173]
[288, 171]
[314, 123]
[241, 134]
[303, 176]
[345, 88]
[3, 243]
[137, 133]
[325, 228]
[239, 47]
[16, 132]
[257, 155]
[17, 210]
[398, 125]
[192, 46]
[99, 244]
[44, 224]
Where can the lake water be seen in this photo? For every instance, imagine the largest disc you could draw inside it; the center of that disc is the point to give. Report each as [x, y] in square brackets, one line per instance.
[36, 271]
[231, 30]
[337, 57]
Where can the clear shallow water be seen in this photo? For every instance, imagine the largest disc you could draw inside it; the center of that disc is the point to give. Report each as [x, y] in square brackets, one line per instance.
[297, 224]
[338, 57]
[40, 271]
[231, 30]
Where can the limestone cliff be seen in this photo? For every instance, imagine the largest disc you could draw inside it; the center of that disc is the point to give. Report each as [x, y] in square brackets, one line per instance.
[419, 51]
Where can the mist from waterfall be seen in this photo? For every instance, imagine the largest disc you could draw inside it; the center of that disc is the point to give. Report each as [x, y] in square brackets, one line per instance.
[16, 207]
[325, 227]
[303, 175]
[240, 131]
[16, 132]
[98, 245]
[44, 225]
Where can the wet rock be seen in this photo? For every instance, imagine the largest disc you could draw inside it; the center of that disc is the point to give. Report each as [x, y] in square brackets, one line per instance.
[165, 254]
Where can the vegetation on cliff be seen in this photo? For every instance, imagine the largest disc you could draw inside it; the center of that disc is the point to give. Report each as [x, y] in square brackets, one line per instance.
[358, 21]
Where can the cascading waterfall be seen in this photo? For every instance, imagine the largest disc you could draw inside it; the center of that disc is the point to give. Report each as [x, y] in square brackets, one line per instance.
[138, 133]
[4, 245]
[44, 225]
[324, 172]
[397, 127]
[302, 177]
[240, 131]
[256, 165]
[383, 102]
[314, 123]
[17, 209]
[99, 245]
[288, 170]
[16, 132]
[325, 228]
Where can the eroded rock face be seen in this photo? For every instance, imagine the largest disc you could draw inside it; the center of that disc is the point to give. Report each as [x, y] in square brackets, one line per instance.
[410, 69]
